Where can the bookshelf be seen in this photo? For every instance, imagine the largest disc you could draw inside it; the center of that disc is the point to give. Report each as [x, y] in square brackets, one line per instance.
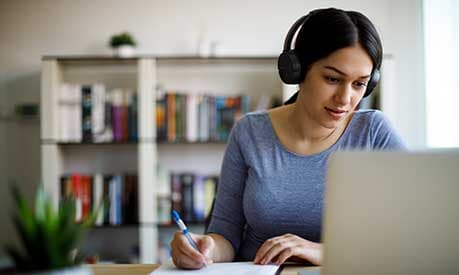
[228, 76]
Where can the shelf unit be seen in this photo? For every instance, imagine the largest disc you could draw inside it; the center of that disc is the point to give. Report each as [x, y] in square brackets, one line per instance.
[254, 76]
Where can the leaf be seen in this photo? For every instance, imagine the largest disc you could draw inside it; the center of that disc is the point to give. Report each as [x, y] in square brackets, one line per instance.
[40, 204]
[47, 236]
[25, 214]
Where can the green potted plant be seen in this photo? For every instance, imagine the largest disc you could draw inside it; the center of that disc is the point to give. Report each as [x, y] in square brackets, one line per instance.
[123, 44]
[49, 237]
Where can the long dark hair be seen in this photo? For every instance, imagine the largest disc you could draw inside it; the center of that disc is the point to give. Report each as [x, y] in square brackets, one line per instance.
[328, 30]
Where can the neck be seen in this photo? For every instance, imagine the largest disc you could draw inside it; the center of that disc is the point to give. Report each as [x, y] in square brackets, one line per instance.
[306, 129]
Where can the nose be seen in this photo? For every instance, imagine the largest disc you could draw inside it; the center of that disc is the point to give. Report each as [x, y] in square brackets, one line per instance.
[343, 95]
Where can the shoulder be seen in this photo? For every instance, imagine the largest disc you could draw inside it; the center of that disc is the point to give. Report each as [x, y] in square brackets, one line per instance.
[369, 116]
[378, 128]
[252, 129]
[252, 121]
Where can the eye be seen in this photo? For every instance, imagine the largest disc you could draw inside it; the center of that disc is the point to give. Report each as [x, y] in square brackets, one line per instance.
[360, 84]
[332, 80]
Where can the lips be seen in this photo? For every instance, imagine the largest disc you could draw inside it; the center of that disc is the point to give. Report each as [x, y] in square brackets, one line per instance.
[336, 113]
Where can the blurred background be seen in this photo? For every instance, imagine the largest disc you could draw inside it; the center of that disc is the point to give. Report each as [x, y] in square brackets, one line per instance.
[420, 92]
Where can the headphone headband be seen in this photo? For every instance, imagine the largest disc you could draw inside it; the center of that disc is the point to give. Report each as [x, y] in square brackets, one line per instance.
[289, 65]
[291, 32]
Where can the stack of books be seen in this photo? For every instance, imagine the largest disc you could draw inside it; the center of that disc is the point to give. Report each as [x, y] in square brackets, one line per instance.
[88, 113]
[190, 194]
[115, 196]
[191, 117]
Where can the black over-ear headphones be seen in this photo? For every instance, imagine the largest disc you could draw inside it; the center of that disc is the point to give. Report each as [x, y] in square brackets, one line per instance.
[289, 65]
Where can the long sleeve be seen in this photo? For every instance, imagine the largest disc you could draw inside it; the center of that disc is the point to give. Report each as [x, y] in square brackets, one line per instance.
[227, 217]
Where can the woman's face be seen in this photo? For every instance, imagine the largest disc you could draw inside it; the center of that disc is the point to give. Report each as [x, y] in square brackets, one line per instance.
[334, 86]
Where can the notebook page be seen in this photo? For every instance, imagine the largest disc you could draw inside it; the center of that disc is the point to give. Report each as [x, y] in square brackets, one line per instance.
[232, 268]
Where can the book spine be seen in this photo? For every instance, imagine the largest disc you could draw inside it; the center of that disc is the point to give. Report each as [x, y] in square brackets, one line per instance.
[192, 118]
[76, 115]
[179, 116]
[77, 191]
[107, 198]
[198, 198]
[113, 207]
[176, 193]
[86, 110]
[133, 118]
[86, 196]
[98, 189]
[125, 116]
[64, 112]
[171, 122]
[130, 199]
[204, 119]
[161, 118]
[187, 195]
[117, 117]
[212, 119]
[118, 199]
[98, 111]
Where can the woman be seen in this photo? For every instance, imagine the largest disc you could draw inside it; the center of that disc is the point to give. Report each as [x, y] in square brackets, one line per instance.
[269, 203]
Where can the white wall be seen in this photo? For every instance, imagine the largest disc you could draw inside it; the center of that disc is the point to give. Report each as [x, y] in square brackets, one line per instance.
[30, 29]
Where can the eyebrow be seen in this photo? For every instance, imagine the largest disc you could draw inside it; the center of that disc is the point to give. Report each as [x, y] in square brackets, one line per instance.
[341, 72]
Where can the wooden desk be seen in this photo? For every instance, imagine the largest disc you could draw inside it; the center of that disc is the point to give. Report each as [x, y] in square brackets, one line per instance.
[127, 269]
[144, 269]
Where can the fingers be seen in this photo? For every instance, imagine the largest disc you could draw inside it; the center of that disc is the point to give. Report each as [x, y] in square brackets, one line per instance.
[267, 246]
[284, 255]
[272, 248]
[205, 245]
[184, 255]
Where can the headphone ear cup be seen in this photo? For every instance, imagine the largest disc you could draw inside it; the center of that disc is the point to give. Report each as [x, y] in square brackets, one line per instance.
[374, 79]
[289, 67]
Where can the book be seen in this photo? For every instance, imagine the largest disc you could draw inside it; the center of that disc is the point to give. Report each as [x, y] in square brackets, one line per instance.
[187, 180]
[77, 190]
[171, 117]
[98, 198]
[98, 111]
[86, 113]
[132, 117]
[117, 114]
[198, 198]
[130, 207]
[85, 185]
[192, 118]
[161, 117]
[176, 193]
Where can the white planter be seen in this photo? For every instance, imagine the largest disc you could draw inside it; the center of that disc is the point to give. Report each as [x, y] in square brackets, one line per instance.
[75, 270]
[125, 51]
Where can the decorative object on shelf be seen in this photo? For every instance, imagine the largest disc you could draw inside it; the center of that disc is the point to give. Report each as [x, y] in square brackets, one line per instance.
[123, 44]
[27, 110]
[49, 238]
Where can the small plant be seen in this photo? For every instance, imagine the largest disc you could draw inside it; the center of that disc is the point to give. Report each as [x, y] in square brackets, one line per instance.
[49, 238]
[122, 39]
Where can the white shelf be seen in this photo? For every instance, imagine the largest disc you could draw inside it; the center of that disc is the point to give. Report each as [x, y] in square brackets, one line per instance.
[254, 76]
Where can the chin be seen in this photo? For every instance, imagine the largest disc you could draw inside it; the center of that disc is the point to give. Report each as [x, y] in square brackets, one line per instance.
[332, 123]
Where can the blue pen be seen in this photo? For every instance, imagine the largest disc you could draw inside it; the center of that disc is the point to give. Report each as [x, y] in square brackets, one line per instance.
[185, 231]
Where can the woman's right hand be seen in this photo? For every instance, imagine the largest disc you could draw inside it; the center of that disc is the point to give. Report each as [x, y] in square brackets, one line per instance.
[185, 256]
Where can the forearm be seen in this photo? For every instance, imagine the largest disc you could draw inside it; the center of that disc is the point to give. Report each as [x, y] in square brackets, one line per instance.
[223, 250]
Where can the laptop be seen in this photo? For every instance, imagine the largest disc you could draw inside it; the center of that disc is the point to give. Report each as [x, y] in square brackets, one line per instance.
[392, 213]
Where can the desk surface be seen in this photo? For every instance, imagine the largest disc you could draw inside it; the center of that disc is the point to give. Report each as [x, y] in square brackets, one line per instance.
[143, 269]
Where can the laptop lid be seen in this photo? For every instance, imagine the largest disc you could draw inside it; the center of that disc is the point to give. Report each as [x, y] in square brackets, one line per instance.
[392, 213]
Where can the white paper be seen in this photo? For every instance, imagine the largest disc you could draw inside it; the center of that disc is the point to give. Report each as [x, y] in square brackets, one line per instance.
[233, 268]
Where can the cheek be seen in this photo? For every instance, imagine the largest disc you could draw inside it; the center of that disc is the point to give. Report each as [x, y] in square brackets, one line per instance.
[355, 100]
